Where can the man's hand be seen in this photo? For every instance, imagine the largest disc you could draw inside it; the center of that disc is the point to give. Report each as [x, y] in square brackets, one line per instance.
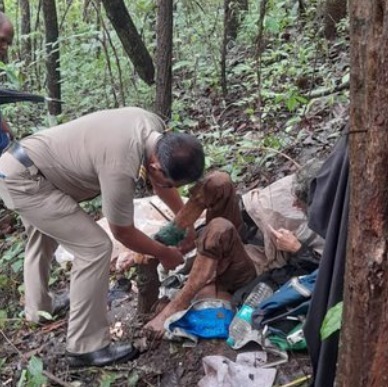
[155, 327]
[285, 240]
[188, 243]
[170, 258]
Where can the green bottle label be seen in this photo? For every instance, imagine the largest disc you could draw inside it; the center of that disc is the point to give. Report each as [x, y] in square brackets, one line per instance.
[245, 313]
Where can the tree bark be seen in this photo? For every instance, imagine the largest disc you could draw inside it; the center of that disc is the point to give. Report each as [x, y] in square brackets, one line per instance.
[26, 31]
[148, 284]
[52, 61]
[164, 31]
[334, 11]
[364, 341]
[130, 38]
[232, 17]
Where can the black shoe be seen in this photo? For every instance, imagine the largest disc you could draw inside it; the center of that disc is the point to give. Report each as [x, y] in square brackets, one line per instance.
[61, 304]
[113, 353]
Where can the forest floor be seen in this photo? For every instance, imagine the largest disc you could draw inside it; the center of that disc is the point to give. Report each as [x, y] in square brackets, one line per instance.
[160, 363]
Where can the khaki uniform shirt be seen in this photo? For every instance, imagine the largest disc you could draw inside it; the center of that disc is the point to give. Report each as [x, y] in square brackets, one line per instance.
[99, 153]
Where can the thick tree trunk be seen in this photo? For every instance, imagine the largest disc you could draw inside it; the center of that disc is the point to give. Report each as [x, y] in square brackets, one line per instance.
[334, 11]
[25, 31]
[164, 30]
[364, 346]
[130, 38]
[52, 61]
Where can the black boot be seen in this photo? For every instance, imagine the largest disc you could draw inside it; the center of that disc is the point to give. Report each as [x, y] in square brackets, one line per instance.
[113, 353]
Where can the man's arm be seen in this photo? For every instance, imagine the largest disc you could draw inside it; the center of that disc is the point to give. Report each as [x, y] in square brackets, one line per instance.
[136, 240]
[171, 197]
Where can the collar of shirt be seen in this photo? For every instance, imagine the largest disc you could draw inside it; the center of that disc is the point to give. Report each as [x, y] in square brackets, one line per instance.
[149, 146]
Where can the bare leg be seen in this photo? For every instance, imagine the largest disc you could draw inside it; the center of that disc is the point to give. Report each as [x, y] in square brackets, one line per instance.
[221, 259]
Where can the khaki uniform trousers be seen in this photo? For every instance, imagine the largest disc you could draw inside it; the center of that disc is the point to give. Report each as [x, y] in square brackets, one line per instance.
[51, 217]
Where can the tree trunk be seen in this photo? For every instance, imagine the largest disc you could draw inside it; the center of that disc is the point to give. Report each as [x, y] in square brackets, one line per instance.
[130, 38]
[334, 11]
[2, 6]
[52, 61]
[148, 285]
[364, 346]
[164, 30]
[232, 17]
[26, 31]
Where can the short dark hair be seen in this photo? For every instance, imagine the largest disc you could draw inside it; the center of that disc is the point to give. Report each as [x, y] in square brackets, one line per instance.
[181, 157]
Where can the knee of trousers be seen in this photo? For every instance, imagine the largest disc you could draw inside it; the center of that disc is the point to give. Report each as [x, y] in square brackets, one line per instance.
[217, 237]
[217, 180]
[103, 248]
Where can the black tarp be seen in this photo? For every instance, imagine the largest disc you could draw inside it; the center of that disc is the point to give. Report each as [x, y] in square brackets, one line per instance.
[328, 217]
[10, 96]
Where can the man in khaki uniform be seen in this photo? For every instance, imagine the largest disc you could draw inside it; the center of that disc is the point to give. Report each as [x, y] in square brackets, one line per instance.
[46, 175]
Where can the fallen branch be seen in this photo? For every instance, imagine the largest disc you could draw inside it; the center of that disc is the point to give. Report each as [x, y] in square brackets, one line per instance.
[48, 374]
[262, 148]
[322, 93]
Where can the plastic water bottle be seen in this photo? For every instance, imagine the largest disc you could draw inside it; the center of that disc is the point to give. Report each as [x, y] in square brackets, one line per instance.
[240, 329]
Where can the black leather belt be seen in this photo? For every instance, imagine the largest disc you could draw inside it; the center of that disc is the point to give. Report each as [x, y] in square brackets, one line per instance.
[20, 154]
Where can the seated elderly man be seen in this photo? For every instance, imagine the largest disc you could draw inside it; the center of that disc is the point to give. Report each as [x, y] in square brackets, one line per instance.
[229, 254]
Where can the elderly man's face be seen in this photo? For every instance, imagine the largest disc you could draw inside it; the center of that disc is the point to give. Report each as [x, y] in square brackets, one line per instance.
[6, 37]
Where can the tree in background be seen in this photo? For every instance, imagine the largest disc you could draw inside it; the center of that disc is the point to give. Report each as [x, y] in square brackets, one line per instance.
[130, 39]
[334, 11]
[52, 61]
[364, 346]
[25, 31]
[164, 30]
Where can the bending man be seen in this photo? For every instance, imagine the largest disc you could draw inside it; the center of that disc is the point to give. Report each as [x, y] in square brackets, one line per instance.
[47, 175]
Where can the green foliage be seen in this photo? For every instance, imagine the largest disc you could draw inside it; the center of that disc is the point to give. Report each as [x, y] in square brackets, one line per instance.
[107, 379]
[33, 375]
[332, 321]
[14, 256]
[3, 318]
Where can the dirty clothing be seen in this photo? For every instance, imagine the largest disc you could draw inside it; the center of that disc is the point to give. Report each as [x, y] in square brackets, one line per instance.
[224, 237]
[98, 153]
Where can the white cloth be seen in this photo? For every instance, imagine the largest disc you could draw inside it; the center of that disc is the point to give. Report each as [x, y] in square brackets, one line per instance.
[247, 371]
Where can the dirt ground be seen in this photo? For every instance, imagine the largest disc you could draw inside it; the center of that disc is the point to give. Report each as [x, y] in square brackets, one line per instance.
[161, 363]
